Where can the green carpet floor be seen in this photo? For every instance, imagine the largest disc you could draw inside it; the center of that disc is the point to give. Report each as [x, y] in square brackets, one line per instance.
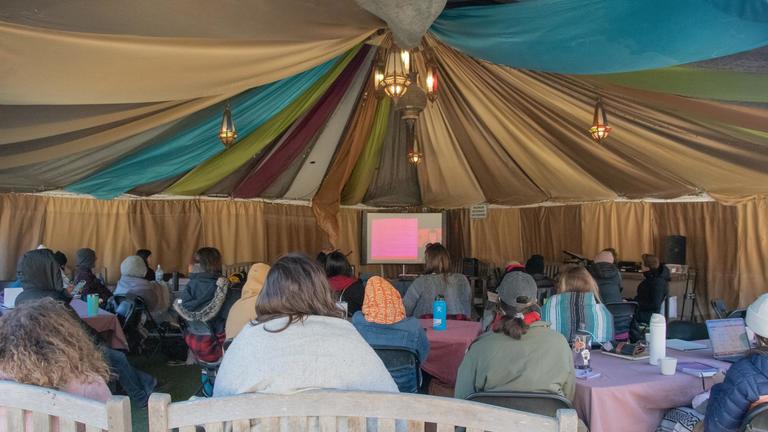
[181, 382]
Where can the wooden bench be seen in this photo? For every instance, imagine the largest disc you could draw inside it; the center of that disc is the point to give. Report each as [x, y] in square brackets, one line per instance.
[331, 410]
[43, 410]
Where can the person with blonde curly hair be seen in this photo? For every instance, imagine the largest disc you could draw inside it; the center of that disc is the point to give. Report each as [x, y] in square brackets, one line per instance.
[43, 345]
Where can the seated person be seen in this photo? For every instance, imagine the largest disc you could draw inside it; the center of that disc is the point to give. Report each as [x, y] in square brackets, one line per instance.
[145, 254]
[578, 303]
[86, 261]
[383, 323]
[544, 285]
[44, 345]
[61, 259]
[607, 276]
[653, 289]
[520, 353]
[41, 280]
[746, 382]
[299, 340]
[244, 309]
[513, 282]
[132, 284]
[439, 280]
[202, 304]
[344, 286]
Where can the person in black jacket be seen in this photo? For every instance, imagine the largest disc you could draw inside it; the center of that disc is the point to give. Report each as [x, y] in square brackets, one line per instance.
[653, 290]
[545, 286]
[607, 276]
[345, 287]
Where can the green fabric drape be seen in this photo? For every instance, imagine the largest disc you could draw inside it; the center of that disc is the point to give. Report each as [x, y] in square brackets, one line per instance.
[218, 167]
[698, 83]
[361, 177]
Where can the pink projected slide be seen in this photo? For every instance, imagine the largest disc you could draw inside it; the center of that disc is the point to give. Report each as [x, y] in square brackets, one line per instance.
[395, 239]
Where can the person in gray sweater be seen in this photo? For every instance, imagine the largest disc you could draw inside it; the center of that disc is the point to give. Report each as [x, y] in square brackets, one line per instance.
[438, 280]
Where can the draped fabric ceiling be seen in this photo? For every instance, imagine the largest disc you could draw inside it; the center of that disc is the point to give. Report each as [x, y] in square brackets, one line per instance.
[110, 98]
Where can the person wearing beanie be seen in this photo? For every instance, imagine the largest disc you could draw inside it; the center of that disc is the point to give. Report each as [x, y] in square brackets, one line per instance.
[244, 310]
[132, 284]
[545, 286]
[746, 382]
[382, 323]
[85, 261]
[607, 276]
[145, 254]
[520, 353]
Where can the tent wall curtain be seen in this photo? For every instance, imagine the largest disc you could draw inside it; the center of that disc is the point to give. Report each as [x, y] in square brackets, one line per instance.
[726, 243]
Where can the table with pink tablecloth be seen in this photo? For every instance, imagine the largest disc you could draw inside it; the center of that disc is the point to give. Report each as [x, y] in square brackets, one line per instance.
[106, 325]
[633, 395]
[447, 348]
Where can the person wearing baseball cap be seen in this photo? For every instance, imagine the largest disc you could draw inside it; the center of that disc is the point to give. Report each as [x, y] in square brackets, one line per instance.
[520, 352]
[746, 383]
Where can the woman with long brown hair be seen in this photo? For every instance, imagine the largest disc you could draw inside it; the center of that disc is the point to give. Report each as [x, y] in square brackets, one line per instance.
[439, 280]
[299, 340]
[578, 304]
[43, 345]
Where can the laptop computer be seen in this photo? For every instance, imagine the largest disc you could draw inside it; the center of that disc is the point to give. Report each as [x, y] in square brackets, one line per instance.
[729, 339]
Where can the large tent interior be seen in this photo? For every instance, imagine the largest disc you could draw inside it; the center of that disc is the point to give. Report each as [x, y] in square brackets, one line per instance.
[111, 113]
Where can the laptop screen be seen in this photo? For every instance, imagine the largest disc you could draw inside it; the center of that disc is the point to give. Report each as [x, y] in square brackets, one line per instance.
[728, 336]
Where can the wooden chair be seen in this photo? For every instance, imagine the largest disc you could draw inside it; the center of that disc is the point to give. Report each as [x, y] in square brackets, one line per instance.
[41, 405]
[229, 270]
[332, 410]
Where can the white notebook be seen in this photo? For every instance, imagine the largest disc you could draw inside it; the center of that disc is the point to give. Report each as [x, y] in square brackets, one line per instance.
[9, 297]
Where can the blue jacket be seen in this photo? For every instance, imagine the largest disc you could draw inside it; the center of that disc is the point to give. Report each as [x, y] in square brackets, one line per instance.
[407, 334]
[729, 401]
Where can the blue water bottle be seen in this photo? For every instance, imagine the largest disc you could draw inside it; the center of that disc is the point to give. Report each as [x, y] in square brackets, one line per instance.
[439, 313]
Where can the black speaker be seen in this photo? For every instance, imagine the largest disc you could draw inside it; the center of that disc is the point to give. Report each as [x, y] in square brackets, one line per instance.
[674, 250]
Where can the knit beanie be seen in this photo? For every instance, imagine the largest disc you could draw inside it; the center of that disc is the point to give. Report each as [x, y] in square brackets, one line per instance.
[133, 266]
[382, 303]
[85, 258]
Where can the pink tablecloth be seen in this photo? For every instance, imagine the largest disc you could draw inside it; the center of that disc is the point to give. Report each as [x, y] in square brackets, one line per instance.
[447, 348]
[105, 324]
[633, 395]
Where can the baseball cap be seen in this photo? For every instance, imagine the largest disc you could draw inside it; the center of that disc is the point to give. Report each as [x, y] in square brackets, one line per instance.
[517, 289]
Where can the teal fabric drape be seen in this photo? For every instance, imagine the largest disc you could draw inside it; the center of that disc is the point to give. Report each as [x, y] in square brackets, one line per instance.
[604, 36]
[198, 143]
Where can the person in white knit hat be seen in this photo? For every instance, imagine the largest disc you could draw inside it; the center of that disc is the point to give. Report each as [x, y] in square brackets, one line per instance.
[746, 383]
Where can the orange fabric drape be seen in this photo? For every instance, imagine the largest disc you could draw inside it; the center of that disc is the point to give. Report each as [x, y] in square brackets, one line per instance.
[550, 230]
[752, 254]
[497, 238]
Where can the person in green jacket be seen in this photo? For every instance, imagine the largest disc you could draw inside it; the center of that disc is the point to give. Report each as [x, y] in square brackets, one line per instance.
[521, 353]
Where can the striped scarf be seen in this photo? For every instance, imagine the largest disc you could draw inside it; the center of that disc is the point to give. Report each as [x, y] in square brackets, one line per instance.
[566, 312]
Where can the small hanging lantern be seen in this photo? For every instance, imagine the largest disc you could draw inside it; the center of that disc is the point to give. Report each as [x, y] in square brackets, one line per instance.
[600, 129]
[415, 156]
[431, 79]
[396, 77]
[378, 76]
[227, 133]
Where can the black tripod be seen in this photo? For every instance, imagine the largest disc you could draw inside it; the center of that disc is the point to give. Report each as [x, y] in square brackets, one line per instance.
[690, 294]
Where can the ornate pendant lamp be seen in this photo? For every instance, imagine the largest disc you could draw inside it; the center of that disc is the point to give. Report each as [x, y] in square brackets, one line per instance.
[393, 76]
[227, 132]
[431, 76]
[600, 129]
[415, 156]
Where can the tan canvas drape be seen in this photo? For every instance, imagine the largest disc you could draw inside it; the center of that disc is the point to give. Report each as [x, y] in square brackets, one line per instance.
[82, 54]
[752, 254]
[627, 227]
[727, 245]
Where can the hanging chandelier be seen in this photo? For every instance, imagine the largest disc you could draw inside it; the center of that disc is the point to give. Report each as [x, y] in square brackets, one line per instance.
[430, 76]
[600, 129]
[227, 132]
[392, 74]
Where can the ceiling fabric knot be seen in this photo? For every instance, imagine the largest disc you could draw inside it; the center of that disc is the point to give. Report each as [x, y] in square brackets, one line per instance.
[408, 20]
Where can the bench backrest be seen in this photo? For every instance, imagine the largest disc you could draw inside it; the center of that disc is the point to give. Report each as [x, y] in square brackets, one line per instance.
[331, 410]
[38, 408]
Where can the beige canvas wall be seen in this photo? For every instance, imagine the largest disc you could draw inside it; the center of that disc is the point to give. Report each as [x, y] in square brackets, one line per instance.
[728, 245]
